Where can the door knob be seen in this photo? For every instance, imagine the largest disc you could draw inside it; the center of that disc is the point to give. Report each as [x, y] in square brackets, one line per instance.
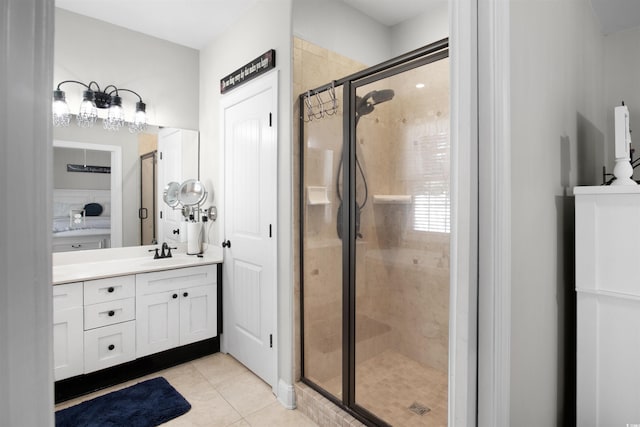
[226, 244]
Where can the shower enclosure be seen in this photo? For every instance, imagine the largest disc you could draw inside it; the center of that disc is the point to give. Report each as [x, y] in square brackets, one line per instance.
[375, 238]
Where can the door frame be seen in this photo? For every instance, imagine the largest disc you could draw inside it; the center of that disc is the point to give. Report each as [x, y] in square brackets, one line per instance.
[154, 155]
[250, 89]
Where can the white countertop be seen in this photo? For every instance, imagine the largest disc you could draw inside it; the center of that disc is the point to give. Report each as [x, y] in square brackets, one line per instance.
[78, 266]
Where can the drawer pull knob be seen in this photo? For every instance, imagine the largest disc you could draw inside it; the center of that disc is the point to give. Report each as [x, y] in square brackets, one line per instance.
[111, 346]
[110, 289]
[186, 294]
[175, 296]
[111, 313]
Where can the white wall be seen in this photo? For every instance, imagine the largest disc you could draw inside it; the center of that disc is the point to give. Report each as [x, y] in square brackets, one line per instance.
[622, 83]
[428, 27]
[557, 126]
[163, 73]
[340, 28]
[80, 180]
[265, 26]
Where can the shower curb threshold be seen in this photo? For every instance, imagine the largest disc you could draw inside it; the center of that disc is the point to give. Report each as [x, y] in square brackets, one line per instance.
[321, 410]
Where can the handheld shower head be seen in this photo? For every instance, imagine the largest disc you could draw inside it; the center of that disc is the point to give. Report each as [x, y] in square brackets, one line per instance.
[366, 104]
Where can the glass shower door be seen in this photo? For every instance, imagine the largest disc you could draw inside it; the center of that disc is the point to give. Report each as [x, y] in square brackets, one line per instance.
[322, 248]
[402, 245]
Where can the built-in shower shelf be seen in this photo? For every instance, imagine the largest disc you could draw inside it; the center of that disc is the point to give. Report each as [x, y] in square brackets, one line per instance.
[317, 196]
[392, 199]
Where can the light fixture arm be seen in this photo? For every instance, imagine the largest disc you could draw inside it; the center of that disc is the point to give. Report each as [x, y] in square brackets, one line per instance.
[116, 90]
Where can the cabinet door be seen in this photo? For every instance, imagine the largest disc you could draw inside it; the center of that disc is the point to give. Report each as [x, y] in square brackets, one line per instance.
[198, 314]
[157, 327]
[109, 346]
[68, 356]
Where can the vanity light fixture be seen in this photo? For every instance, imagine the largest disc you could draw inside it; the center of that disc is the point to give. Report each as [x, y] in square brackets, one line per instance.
[92, 99]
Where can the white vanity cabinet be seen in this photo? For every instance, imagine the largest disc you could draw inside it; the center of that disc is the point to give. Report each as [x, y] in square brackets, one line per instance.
[109, 322]
[175, 307]
[608, 305]
[113, 307]
[67, 331]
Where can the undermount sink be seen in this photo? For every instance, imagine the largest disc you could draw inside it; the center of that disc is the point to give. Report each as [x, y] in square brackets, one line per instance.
[175, 259]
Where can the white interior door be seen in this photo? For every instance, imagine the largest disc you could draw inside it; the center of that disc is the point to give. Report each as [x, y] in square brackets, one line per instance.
[169, 170]
[250, 204]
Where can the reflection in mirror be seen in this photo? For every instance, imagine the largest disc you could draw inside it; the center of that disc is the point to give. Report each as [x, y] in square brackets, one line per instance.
[128, 213]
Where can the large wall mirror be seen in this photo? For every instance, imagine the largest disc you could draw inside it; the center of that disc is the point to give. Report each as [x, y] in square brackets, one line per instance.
[104, 188]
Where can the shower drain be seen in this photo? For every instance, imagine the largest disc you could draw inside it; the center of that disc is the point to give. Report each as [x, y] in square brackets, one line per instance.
[419, 408]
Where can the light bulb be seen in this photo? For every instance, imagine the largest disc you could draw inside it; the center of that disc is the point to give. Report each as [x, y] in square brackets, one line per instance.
[139, 123]
[60, 110]
[115, 115]
[88, 112]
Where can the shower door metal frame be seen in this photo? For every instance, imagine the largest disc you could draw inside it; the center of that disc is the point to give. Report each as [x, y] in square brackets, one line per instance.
[414, 59]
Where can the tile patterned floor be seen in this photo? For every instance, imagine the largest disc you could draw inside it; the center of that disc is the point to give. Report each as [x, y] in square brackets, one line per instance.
[389, 383]
[222, 392]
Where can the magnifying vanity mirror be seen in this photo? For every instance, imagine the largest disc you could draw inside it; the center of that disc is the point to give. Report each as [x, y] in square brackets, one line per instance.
[170, 194]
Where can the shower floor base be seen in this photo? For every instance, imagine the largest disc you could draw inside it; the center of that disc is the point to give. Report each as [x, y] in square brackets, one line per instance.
[391, 384]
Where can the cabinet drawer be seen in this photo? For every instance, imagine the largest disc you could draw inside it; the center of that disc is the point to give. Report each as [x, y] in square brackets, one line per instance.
[109, 289]
[109, 313]
[180, 278]
[67, 296]
[78, 246]
[109, 346]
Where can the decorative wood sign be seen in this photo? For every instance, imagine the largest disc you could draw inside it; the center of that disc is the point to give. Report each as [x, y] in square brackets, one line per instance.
[260, 65]
[86, 168]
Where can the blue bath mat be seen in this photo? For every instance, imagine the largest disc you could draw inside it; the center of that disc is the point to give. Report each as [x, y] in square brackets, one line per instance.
[146, 404]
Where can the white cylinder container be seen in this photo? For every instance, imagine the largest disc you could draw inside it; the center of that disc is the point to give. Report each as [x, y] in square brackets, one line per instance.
[194, 238]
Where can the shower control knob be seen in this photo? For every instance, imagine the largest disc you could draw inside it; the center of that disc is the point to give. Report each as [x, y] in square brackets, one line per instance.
[226, 244]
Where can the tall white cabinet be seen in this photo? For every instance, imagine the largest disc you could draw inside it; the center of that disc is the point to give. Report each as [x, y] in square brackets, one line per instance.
[608, 305]
[178, 161]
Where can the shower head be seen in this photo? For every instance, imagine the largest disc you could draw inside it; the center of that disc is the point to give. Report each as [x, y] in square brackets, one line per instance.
[366, 104]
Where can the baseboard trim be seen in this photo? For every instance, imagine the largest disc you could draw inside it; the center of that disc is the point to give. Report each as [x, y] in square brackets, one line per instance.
[83, 384]
[286, 395]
